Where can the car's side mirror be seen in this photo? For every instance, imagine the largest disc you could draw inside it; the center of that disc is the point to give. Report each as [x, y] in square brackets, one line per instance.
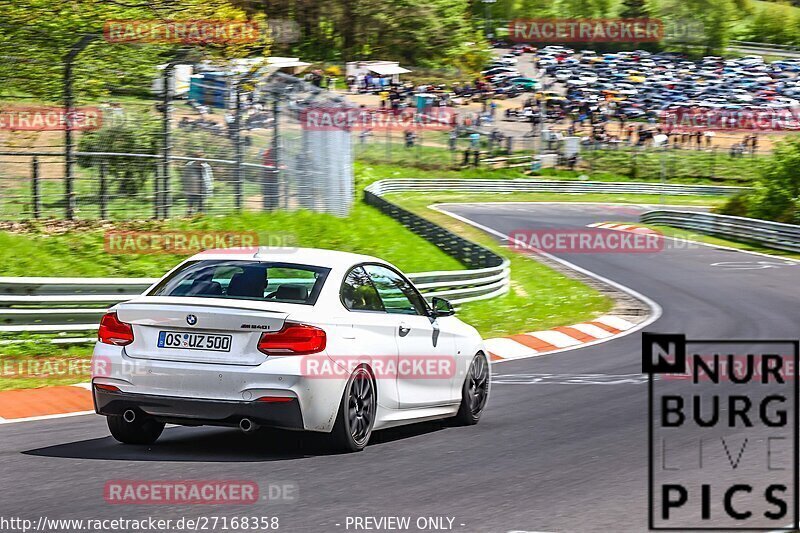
[442, 307]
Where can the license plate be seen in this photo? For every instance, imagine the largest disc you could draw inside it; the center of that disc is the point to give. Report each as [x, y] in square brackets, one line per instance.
[194, 341]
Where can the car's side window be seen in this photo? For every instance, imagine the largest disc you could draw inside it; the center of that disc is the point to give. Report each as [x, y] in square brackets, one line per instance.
[397, 294]
[358, 293]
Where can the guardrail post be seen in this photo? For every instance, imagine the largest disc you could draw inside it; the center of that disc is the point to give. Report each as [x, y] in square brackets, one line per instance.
[35, 197]
[103, 192]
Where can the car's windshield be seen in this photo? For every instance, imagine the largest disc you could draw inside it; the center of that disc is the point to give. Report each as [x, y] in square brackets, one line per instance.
[245, 280]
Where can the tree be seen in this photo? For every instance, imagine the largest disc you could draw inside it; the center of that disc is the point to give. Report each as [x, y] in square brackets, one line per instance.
[633, 9]
[430, 33]
[35, 36]
[127, 135]
[777, 190]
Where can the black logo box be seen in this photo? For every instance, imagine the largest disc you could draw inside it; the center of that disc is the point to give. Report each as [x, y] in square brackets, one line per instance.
[671, 352]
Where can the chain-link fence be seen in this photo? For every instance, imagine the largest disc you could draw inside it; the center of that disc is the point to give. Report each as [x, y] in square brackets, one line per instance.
[146, 150]
[616, 160]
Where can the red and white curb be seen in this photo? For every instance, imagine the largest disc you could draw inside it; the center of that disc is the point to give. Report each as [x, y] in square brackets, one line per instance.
[536, 343]
[623, 226]
[24, 405]
[47, 403]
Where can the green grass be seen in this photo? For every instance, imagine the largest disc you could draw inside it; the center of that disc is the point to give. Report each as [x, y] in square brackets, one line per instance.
[81, 252]
[417, 202]
[679, 166]
[622, 164]
[33, 361]
[540, 298]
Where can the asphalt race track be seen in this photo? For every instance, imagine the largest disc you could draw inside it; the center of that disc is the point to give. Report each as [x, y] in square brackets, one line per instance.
[551, 456]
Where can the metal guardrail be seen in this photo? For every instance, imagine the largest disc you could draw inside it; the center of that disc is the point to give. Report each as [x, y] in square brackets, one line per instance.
[489, 274]
[762, 232]
[764, 46]
[382, 187]
[76, 304]
[48, 305]
[779, 50]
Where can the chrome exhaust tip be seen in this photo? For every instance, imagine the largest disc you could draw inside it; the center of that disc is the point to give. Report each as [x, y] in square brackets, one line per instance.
[247, 425]
[129, 416]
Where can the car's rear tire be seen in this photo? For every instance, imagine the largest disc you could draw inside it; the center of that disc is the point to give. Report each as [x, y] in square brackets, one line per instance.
[142, 430]
[357, 410]
[474, 392]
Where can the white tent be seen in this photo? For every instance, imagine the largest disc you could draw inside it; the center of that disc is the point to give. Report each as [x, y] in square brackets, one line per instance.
[380, 68]
[292, 64]
[387, 70]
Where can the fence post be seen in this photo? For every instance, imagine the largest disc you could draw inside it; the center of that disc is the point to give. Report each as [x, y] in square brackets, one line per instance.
[69, 104]
[164, 199]
[663, 174]
[35, 188]
[713, 161]
[103, 192]
[238, 148]
[269, 181]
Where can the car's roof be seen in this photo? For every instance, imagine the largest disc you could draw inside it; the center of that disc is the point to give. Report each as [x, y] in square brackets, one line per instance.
[304, 256]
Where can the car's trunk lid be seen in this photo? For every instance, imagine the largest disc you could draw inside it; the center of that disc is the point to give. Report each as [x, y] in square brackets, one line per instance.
[201, 330]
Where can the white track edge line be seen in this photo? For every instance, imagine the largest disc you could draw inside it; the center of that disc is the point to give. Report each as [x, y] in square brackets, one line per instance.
[44, 417]
[437, 207]
[655, 309]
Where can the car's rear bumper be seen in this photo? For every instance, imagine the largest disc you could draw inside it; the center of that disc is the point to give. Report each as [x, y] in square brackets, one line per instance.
[194, 411]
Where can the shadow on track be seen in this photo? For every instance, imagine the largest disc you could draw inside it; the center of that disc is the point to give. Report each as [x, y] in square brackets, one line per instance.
[221, 445]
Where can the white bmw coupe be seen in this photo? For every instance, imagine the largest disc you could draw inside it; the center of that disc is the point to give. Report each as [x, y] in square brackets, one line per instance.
[301, 339]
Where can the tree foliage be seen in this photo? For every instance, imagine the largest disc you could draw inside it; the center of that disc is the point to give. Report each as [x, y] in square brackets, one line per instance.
[426, 33]
[36, 36]
[138, 134]
[776, 192]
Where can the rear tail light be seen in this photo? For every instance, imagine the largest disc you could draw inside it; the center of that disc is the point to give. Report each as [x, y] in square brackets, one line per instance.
[112, 331]
[292, 339]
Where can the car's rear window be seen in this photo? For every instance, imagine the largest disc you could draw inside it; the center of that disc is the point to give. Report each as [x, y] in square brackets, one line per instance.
[245, 280]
